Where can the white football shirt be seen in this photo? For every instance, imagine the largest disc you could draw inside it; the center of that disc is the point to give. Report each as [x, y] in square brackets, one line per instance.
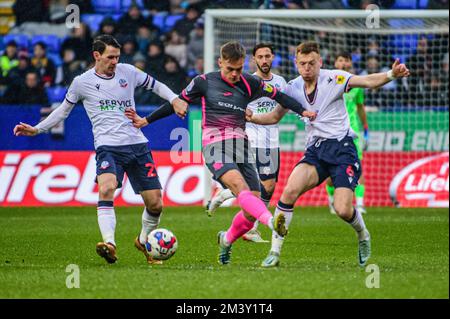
[105, 100]
[265, 136]
[332, 120]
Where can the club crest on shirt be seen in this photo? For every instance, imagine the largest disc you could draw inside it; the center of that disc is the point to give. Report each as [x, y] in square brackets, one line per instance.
[104, 165]
[340, 79]
[123, 83]
[268, 88]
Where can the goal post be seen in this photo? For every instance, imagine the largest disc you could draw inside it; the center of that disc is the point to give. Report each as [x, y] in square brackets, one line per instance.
[408, 119]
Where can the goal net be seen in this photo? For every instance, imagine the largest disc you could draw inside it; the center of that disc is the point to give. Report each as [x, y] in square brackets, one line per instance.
[406, 162]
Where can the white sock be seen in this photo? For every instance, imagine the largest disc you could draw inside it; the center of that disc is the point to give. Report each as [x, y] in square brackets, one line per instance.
[225, 195]
[107, 221]
[360, 201]
[331, 199]
[277, 240]
[149, 223]
[359, 226]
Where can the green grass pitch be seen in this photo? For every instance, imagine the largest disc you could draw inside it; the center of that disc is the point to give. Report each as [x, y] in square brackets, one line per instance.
[319, 260]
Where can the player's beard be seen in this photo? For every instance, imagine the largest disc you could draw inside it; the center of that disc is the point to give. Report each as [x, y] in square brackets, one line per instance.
[267, 67]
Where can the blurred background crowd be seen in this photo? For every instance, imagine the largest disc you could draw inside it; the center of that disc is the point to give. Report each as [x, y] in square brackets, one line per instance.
[40, 56]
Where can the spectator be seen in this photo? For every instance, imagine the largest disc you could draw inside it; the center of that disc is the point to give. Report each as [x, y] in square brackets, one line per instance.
[131, 21]
[176, 47]
[29, 93]
[80, 42]
[71, 66]
[44, 66]
[297, 4]
[129, 51]
[362, 4]
[84, 5]
[197, 69]
[384, 96]
[107, 26]
[173, 76]
[16, 76]
[57, 11]
[325, 4]
[30, 11]
[157, 6]
[438, 4]
[8, 60]
[195, 45]
[421, 66]
[144, 36]
[155, 59]
[185, 25]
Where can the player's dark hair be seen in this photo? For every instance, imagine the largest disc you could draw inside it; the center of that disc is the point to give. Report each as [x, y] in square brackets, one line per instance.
[102, 41]
[263, 45]
[232, 51]
[344, 54]
[308, 47]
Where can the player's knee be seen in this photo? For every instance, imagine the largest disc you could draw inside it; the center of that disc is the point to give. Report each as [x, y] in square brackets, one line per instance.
[154, 205]
[106, 190]
[290, 195]
[343, 210]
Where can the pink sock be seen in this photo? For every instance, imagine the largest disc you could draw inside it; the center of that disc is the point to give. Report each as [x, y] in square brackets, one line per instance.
[239, 226]
[254, 206]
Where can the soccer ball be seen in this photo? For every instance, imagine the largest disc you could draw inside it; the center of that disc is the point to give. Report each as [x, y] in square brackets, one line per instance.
[161, 244]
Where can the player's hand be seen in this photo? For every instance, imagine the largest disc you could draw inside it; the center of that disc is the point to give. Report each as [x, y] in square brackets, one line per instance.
[310, 115]
[180, 107]
[24, 129]
[366, 139]
[399, 70]
[138, 121]
[248, 115]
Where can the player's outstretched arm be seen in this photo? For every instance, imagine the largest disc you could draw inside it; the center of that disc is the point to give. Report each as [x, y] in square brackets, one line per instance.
[179, 106]
[56, 116]
[376, 80]
[267, 118]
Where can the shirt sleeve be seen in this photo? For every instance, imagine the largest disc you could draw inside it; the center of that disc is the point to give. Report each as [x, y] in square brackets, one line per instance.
[341, 79]
[149, 83]
[195, 90]
[73, 93]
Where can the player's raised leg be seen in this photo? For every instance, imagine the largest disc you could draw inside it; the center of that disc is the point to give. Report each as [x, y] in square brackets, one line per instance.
[303, 178]
[346, 211]
[107, 184]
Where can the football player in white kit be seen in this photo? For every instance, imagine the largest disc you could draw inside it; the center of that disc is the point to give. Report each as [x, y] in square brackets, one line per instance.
[106, 91]
[264, 139]
[330, 151]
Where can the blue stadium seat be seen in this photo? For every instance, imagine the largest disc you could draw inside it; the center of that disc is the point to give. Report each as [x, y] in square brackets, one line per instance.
[92, 20]
[117, 16]
[56, 94]
[402, 43]
[408, 4]
[52, 41]
[125, 4]
[159, 20]
[106, 6]
[345, 3]
[21, 40]
[170, 21]
[56, 58]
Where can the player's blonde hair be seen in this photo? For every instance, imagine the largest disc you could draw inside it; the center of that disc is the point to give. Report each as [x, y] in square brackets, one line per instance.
[232, 51]
[308, 47]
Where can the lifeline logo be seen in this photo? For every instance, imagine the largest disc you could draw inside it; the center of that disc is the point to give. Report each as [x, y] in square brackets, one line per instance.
[423, 183]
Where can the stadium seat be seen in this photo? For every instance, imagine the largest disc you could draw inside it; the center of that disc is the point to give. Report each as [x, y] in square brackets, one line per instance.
[52, 41]
[159, 20]
[125, 4]
[21, 40]
[170, 21]
[92, 20]
[56, 58]
[106, 6]
[116, 16]
[56, 94]
[403, 42]
[408, 4]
